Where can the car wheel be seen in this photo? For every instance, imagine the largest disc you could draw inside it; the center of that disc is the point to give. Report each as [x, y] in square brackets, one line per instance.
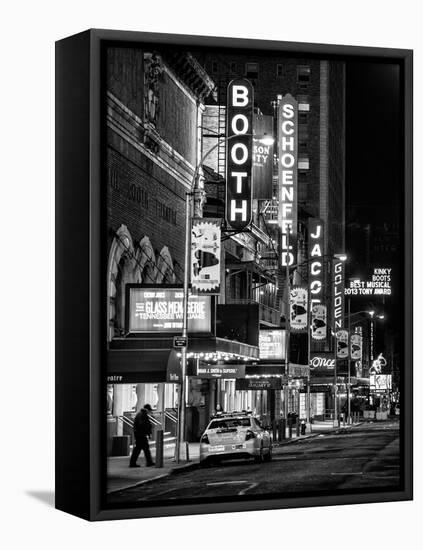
[259, 458]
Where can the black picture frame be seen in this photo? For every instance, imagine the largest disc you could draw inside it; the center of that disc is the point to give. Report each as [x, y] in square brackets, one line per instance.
[80, 286]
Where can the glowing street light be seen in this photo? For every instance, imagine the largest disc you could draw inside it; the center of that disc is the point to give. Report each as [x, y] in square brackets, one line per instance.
[341, 257]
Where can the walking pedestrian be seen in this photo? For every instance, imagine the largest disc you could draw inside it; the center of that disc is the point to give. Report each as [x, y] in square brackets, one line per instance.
[142, 431]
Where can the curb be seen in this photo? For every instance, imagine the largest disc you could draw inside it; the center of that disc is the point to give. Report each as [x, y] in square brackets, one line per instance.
[316, 434]
[295, 440]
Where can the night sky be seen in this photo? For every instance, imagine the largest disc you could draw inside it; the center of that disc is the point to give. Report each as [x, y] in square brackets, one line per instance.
[373, 141]
[374, 179]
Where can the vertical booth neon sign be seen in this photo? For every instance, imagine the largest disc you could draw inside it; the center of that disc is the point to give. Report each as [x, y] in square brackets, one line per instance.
[239, 132]
[288, 161]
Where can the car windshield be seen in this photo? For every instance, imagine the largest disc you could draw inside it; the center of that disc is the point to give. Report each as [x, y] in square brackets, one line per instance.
[229, 423]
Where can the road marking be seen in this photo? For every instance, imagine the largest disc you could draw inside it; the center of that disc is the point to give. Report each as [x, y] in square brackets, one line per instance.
[382, 476]
[346, 473]
[161, 493]
[247, 489]
[227, 482]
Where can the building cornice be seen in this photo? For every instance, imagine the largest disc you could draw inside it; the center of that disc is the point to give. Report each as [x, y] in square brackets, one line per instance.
[130, 127]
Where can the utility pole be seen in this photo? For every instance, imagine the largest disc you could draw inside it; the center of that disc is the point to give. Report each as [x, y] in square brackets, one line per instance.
[349, 363]
[180, 441]
[335, 382]
[308, 404]
[287, 319]
[181, 428]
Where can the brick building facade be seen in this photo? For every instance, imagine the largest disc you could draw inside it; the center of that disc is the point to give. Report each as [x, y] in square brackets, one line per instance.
[154, 105]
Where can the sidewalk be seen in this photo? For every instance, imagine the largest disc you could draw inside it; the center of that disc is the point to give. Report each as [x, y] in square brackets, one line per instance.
[317, 428]
[120, 476]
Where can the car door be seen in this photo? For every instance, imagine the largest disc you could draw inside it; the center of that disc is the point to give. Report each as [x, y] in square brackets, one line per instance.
[264, 434]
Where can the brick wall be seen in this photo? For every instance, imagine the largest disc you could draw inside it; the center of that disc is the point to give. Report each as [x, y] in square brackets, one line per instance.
[125, 77]
[146, 196]
[146, 199]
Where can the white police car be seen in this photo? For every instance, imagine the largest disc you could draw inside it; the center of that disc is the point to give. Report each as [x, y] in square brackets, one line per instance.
[233, 436]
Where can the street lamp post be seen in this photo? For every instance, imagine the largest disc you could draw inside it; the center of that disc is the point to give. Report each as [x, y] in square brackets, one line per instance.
[342, 258]
[180, 440]
[335, 386]
[349, 315]
[287, 322]
[308, 407]
[372, 328]
[182, 398]
[349, 365]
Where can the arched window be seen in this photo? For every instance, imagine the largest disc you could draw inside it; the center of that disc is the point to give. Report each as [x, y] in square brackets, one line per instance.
[128, 264]
[146, 261]
[122, 269]
[165, 271]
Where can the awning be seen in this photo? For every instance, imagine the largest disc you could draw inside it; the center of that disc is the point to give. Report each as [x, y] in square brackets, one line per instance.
[328, 381]
[132, 360]
[135, 366]
[265, 369]
[196, 344]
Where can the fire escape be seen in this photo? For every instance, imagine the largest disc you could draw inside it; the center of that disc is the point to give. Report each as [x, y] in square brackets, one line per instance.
[250, 256]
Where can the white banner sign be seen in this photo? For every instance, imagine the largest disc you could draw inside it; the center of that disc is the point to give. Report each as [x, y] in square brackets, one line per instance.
[380, 381]
[205, 256]
[298, 307]
[342, 344]
[356, 347]
[318, 322]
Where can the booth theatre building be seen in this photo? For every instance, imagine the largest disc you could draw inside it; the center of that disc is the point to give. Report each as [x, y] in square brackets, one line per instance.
[154, 117]
[168, 132]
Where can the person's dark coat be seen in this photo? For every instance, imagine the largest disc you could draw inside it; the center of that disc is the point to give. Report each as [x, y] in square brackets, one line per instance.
[142, 424]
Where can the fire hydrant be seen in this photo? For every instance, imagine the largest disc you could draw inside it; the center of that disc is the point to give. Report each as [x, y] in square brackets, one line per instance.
[303, 427]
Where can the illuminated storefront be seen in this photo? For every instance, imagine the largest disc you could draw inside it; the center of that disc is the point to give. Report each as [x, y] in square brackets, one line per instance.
[140, 362]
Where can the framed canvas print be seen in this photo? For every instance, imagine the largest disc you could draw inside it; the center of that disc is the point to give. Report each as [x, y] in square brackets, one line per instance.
[234, 275]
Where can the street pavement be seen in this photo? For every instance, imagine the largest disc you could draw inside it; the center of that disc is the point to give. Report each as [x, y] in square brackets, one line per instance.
[348, 459]
[119, 476]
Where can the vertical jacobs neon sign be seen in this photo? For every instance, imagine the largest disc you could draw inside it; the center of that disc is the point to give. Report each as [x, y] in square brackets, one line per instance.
[239, 131]
[315, 259]
[288, 153]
